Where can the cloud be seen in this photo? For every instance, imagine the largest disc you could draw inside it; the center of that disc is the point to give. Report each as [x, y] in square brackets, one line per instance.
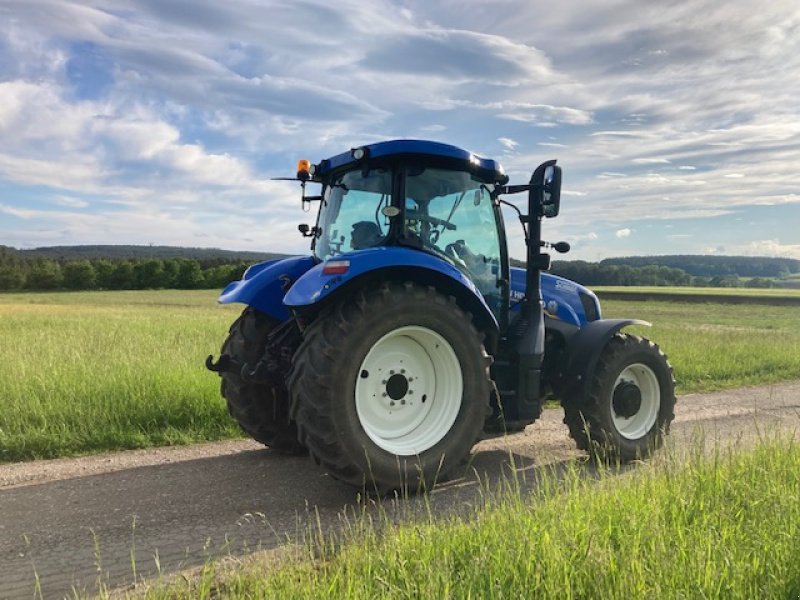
[70, 202]
[508, 143]
[623, 233]
[650, 161]
[541, 113]
[458, 55]
[769, 248]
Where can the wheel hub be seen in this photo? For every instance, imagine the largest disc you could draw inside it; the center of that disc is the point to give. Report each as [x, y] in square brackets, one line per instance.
[397, 386]
[627, 399]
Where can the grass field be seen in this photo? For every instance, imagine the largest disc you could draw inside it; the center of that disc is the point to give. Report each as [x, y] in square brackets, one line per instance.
[724, 526]
[91, 371]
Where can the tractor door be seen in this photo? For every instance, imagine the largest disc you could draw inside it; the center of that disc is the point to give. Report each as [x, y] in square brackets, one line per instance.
[451, 213]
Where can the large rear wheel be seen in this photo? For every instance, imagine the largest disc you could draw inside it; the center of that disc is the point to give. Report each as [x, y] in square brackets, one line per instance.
[391, 387]
[261, 410]
[630, 404]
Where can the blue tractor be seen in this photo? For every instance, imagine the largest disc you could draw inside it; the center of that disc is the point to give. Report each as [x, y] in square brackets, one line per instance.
[406, 335]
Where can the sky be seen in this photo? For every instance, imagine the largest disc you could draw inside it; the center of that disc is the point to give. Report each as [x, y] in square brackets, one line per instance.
[677, 123]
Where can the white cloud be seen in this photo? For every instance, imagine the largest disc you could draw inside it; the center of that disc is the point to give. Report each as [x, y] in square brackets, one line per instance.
[508, 143]
[769, 248]
[623, 233]
[650, 161]
[70, 202]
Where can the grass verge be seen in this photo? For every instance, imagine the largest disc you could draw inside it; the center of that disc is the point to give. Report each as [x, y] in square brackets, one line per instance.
[720, 526]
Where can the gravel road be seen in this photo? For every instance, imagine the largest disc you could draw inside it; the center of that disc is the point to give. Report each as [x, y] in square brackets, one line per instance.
[80, 523]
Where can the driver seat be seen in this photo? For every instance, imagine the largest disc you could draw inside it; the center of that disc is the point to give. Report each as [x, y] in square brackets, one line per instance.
[365, 234]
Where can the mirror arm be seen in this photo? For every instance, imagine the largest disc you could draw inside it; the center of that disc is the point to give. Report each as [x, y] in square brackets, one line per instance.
[516, 189]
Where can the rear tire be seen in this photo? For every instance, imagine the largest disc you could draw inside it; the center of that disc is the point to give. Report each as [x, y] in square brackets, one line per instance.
[391, 388]
[262, 411]
[630, 404]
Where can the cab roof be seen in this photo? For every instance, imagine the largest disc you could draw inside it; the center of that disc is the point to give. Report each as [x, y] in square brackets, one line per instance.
[426, 151]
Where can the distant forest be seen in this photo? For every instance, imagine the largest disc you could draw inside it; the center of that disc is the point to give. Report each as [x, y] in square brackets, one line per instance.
[165, 267]
[688, 270]
[713, 266]
[63, 253]
[122, 267]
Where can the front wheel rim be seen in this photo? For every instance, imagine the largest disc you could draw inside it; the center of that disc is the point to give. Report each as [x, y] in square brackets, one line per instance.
[637, 425]
[409, 390]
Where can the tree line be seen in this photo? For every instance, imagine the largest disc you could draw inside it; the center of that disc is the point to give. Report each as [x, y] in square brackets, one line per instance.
[699, 265]
[43, 274]
[605, 273]
[40, 270]
[132, 252]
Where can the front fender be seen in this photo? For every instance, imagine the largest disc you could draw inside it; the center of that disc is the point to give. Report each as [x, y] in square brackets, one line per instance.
[414, 265]
[585, 347]
[264, 284]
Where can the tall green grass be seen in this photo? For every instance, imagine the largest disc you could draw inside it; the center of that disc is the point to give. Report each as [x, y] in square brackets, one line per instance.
[724, 526]
[89, 371]
[84, 372]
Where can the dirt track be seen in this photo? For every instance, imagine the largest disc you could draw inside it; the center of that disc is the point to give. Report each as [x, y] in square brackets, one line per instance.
[77, 522]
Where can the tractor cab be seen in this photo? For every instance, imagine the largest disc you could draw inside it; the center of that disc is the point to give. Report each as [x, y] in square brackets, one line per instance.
[430, 197]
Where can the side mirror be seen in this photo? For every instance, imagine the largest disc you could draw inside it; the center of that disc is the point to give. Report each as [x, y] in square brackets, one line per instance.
[544, 197]
[551, 197]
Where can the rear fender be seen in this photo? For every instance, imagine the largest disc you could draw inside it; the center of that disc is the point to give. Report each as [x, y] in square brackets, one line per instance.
[372, 266]
[584, 348]
[263, 285]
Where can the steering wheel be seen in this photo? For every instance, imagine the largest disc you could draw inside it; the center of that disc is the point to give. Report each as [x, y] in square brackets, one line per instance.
[453, 251]
[459, 251]
[435, 221]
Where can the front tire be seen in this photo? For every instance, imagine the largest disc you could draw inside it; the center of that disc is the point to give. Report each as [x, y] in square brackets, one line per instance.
[261, 410]
[630, 404]
[391, 387]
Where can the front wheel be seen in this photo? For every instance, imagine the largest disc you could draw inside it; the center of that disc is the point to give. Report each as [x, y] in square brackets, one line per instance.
[630, 404]
[260, 409]
[391, 387]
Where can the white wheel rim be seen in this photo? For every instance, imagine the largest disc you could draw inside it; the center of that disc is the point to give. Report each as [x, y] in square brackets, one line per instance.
[641, 422]
[408, 390]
